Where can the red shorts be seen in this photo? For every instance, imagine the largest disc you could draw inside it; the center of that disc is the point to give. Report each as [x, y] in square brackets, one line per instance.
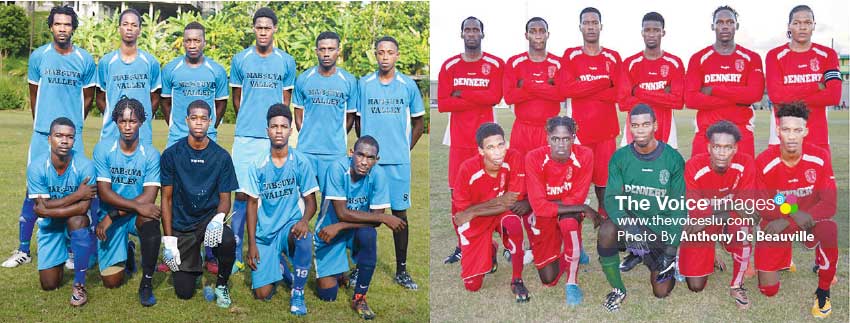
[776, 255]
[526, 137]
[476, 244]
[456, 157]
[746, 145]
[602, 152]
[696, 259]
[545, 239]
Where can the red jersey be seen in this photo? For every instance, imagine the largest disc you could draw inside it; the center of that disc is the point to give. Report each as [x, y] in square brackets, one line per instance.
[537, 99]
[736, 82]
[811, 181]
[480, 86]
[644, 81]
[738, 182]
[793, 76]
[473, 185]
[590, 84]
[549, 181]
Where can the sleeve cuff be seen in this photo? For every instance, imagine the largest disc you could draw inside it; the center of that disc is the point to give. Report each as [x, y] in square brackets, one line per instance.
[32, 82]
[337, 198]
[222, 98]
[156, 88]
[379, 206]
[165, 95]
[235, 85]
[252, 195]
[310, 191]
[104, 179]
[422, 113]
[297, 106]
[35, 196]
[287, 88]
[157, 184]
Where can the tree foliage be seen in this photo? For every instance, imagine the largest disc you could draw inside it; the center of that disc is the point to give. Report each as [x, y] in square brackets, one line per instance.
[14, 31]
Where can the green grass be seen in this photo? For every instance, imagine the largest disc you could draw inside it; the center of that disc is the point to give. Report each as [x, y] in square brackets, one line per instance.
[24, 301]
[494, 302]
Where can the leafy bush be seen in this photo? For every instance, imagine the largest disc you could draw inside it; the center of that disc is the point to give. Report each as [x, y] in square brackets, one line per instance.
[12, 94]
[14, 31]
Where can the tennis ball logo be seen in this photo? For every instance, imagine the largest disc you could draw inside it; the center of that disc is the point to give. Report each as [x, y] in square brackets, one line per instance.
[787, 205]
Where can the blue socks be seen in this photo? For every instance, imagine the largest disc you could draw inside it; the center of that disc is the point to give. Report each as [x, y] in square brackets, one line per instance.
[81, 244]
[237, 223]
[301, 261]
[26, 225]
[366, 256]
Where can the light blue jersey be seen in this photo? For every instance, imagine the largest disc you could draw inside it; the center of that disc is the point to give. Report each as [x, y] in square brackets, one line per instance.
[137, 80]
[280, 192]
[61, 80]
[263, 81]
[128, 174]
[325, 101]
[368, 193]
[44, 182]
[185, 84]
[385, 111]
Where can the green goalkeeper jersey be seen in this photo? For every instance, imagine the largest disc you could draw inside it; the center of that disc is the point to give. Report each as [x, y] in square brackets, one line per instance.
[646, 183]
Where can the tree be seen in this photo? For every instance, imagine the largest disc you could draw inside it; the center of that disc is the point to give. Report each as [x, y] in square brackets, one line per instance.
[14, 31]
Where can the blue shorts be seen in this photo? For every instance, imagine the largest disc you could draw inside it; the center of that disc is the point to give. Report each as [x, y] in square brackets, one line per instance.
[40, 147]
[114, 249]
[246, 150]
[320, 164]
[331, 258]
[268, 269]
[398, 181]
[53, 242]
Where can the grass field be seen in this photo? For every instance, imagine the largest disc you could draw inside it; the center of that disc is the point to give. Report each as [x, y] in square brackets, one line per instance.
[494, 302]
[24, 301]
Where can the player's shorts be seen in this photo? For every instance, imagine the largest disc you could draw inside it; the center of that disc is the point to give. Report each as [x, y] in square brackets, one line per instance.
[746, 145]
[321, 164]
[52, 243]
[174, 137]
[776, 255]
[602, 152]
[268, 269]
[398, 179]
[545, 238]
[40, 146]
[189, 243]
[331, 257]
[476, 244]
[696, 258]
[246, 150]
[456, 157]
[526, 137]
[114, 249]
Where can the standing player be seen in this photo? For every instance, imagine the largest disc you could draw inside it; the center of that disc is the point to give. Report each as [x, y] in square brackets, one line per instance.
[588, 79]
[61, 84]
[127, 184]
[797, 170]
[62, 186]
[325, 102]
[197, 179]
[486, 189]
[469, 84]
[280, 205]
[355, 199]
[722, 81]
[642, 173]
[803, 71]
[529, 85]
[260, 76]
[192, 77]
[653, 77]
[391, 111]
[719, 176]
[128, 71]
[558, 180]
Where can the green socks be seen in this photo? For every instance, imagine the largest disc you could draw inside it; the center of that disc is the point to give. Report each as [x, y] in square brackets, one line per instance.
[611, 268]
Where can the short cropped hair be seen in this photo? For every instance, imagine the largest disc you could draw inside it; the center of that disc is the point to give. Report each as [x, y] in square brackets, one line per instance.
[386, 38]
[62, 121]
[327, 35]
[642, 108]
[653, 16]
[724, 126]
[488, 129]
[590, 10]
[533, 19]
[198, 104]
[368, 140]
[794, 109]
[265, 12]
[279, 110]
[130, 11]
[481, 23]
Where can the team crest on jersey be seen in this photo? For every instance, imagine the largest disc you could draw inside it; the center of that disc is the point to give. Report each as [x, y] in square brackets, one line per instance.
[502, 181]
[485, 69]
[665, 69]
[569, 174]
[814, 64]
[552, 70]
[811, 176]
[663, 177]
[608, 66]
[739, 65]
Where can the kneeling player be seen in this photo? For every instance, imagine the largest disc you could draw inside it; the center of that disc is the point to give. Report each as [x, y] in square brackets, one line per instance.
[802, 172]
[721, 175]
[558, 182]
[279, 185]
[641, 174]
[127, 182]
[197, 178]
[62, 186]
[353, 188]
[485, 191]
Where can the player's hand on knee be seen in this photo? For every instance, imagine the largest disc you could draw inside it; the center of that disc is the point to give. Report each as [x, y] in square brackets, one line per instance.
[253, 256]
[462, 218]
[776, 226]
[693, 228]
[104, 224]
[393, 222]
[329, 232]
[171, 254]
[521, 207]
[86, 191]
[149, 210]
[508, 199]
[594, 216]
[803, 219]
[300, 229]
[212, 236]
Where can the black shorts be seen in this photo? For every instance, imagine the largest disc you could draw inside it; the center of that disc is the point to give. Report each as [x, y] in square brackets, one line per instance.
[190, 244]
